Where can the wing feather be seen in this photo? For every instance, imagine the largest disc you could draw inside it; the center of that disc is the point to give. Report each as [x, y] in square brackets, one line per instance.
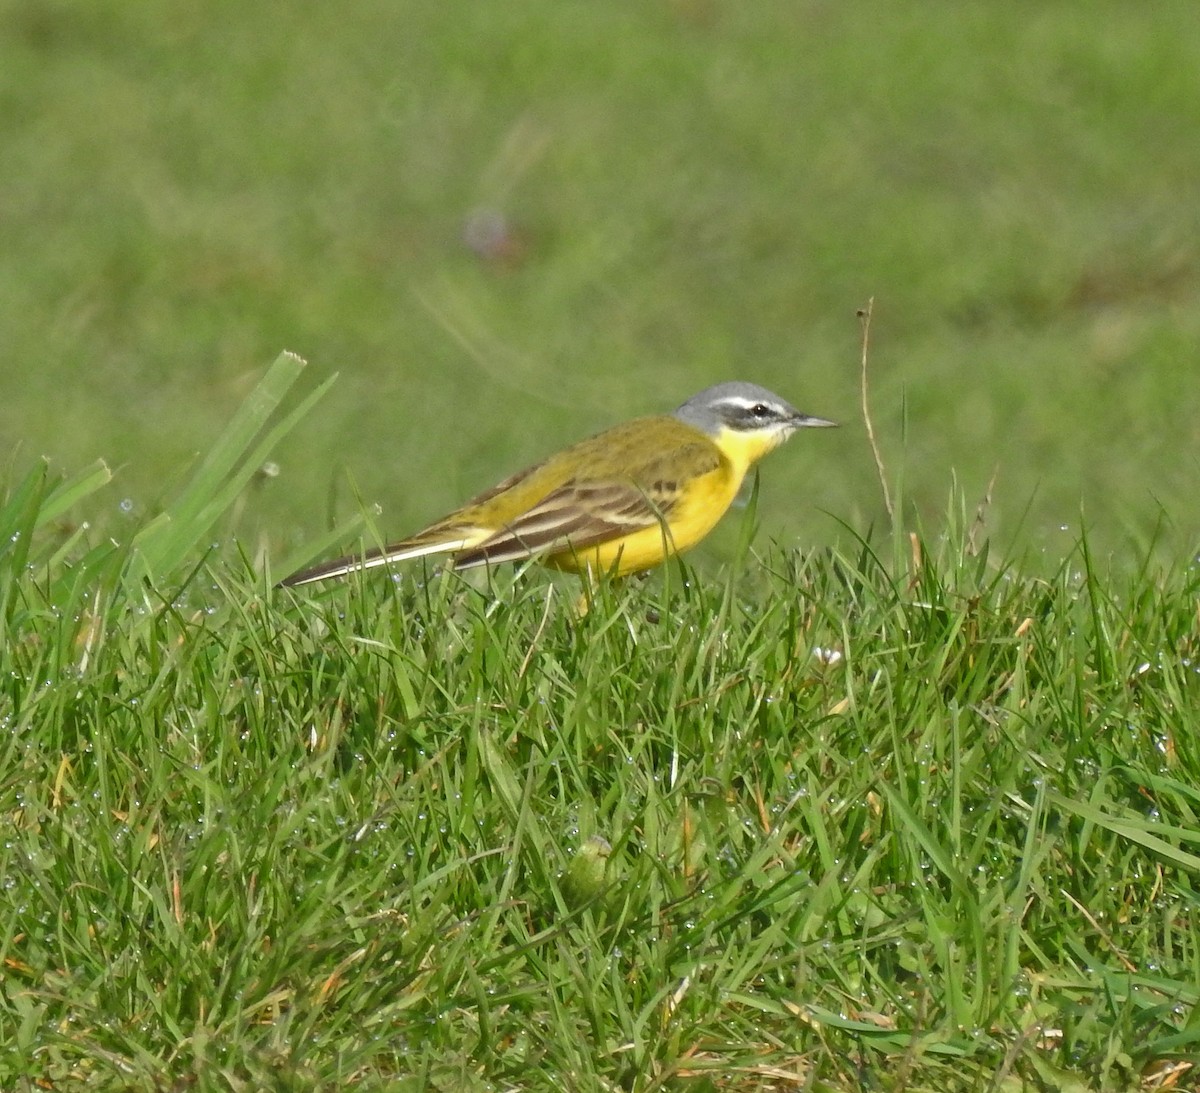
[575, 516]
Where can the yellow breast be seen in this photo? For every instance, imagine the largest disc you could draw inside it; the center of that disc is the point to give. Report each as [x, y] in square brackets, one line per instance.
[702, 501]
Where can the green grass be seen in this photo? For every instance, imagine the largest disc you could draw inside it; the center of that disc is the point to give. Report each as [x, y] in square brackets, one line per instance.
[906, 818]
[699, 191]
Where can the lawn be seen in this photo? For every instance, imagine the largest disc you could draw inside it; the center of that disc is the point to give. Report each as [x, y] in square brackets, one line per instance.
[907, 818]
[849, 800]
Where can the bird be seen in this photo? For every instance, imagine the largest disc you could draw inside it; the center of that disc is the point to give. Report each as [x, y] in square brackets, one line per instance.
[620, 502]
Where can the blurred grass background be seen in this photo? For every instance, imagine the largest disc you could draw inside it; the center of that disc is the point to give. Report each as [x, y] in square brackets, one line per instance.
[509, 225]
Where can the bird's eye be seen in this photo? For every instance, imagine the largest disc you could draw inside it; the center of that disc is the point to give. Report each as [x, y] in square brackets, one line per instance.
[760, 409]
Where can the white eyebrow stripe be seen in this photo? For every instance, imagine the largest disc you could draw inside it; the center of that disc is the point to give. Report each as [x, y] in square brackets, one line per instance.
[744, 403]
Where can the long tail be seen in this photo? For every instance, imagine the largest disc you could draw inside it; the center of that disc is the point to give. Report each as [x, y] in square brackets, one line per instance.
[398, 552]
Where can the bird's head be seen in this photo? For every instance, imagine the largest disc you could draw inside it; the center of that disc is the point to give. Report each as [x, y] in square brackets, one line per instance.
[746, 421]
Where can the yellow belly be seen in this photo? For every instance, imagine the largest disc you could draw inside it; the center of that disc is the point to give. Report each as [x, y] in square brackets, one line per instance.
[703, 502]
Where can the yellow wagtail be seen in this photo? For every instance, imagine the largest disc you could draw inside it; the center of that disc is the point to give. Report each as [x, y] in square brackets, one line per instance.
[619, 502]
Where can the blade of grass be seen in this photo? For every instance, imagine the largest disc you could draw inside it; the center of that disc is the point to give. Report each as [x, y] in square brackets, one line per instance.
[1138, 831]
[72, 491]
[165, 542]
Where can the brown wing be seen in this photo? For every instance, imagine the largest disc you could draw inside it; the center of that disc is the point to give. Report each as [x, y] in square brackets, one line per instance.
[596, 491]
[576, 516]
